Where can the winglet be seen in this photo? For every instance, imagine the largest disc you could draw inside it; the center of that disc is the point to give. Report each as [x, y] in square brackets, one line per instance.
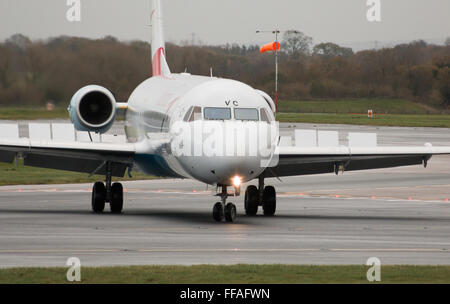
[159, 63]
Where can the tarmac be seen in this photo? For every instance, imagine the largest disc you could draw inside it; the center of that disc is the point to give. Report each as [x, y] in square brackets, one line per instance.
[399, 215]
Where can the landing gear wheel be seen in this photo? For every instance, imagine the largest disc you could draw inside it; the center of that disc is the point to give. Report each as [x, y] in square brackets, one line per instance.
[251, 200]
[218, 212]
[230, 212]
[98, 197]
[116, 203]
[269, 201]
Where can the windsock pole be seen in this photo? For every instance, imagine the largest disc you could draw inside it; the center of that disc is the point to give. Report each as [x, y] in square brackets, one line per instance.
[273, 47]
[276, 70]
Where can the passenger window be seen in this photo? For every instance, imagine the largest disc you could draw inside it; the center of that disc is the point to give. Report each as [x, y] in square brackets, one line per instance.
[217, 113]
[246, 114]
[196, 114]
[264, 115]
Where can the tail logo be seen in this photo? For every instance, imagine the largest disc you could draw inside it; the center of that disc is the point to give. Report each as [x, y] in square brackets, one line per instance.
[156, 63]
[151, 15]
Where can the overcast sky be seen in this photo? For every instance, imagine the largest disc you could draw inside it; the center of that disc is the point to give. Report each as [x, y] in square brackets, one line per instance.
[229, 21]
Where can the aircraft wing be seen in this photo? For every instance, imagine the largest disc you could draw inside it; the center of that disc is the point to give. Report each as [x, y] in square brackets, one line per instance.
[316, 160]
[73, 156]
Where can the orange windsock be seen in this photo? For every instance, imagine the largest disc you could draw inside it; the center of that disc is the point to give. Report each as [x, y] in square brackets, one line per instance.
[273, 46]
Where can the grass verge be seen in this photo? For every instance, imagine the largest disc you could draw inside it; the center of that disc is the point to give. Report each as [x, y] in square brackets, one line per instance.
[439, 121]
[32, 113]
[352, 106]
[395, 112]
[235, 274]
[10, 174]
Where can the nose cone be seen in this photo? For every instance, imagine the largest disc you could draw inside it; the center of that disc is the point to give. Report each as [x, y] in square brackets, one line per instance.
[223, 170]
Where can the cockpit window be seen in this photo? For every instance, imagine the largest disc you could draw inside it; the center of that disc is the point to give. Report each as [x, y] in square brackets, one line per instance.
[196, 114]
[264, 115]
[188, 114]
[217, 113]
[246, 114]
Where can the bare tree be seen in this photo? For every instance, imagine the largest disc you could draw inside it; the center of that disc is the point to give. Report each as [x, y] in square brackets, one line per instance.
[295, 43]
[331, 50]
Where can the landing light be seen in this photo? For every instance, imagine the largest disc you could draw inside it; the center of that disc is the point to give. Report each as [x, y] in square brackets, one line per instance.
[237, 181]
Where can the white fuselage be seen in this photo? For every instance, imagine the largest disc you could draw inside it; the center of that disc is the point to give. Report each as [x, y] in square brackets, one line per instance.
[160, 103]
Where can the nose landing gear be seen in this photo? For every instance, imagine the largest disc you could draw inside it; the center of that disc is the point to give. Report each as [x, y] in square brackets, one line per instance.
[223, 210]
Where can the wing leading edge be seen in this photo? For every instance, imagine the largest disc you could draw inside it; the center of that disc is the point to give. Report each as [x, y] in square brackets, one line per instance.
[317, 160]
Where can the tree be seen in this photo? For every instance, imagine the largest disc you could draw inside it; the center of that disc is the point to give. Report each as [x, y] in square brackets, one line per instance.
[421, 80]
[18, 40]
[447, 41]
[329, 50]
[32, 72]
[295, 43]
[3, 67]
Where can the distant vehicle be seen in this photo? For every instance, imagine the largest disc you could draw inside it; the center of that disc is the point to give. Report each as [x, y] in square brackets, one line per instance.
[163, 107]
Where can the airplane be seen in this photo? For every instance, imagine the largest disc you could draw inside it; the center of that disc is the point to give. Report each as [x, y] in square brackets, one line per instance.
[168, 100]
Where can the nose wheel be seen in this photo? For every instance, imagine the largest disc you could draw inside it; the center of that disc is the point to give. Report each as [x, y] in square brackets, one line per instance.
[223, 210]
[218, 212]
[230, 212]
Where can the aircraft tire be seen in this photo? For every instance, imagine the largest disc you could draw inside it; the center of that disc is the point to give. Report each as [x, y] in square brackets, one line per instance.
[116, 203]
[218, 212]
[269, 201]
[230, 212]
[251, 200]
[98, 197]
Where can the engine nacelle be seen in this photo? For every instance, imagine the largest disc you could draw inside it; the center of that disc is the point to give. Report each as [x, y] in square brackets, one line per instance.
[93, 109]
[269, 100]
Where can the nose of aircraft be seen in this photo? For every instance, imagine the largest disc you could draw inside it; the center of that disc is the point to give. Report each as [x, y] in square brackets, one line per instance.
[226, 150]
[224, 170]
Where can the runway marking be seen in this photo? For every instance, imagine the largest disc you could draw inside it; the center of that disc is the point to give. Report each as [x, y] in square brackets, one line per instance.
[218, 250]
[348, 197]
[379, 188]
[190, 192]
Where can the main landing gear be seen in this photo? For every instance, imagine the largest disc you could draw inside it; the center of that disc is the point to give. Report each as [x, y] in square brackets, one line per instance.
[223, 210]
[107, 192]
[261, 196]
